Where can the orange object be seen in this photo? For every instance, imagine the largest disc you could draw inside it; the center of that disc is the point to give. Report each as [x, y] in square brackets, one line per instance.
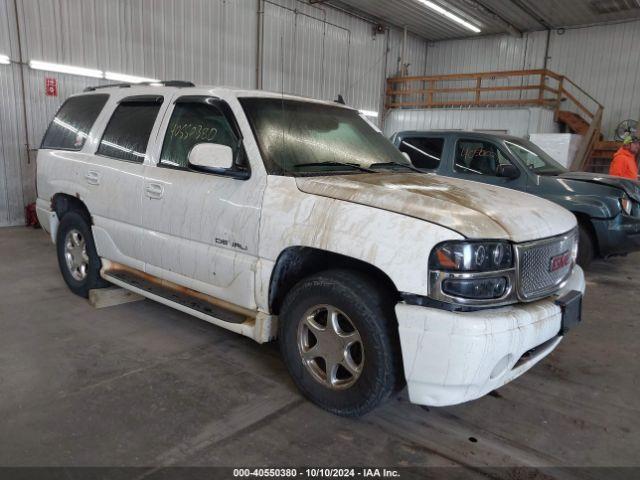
[624, 164]
[444, 260]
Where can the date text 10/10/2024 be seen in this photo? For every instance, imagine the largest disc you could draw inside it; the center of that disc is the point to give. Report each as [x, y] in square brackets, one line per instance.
[316, 473]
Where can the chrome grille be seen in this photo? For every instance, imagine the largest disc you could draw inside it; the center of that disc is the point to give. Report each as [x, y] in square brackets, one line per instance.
[535, 278]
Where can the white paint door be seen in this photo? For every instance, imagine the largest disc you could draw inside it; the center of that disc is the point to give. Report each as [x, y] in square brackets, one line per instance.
[114, 178]
[202, 228]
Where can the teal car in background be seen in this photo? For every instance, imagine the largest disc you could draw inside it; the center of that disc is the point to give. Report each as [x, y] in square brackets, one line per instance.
[607, 208]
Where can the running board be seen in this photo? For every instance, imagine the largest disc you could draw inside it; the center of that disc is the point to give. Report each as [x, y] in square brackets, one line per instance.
[250, 323]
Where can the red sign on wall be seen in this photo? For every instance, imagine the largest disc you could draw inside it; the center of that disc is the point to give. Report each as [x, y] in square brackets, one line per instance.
[51, 87]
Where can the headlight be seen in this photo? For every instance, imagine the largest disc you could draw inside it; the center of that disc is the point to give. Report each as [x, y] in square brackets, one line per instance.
[626, 205]
[476, 288]
[472, 256]
[472, 272]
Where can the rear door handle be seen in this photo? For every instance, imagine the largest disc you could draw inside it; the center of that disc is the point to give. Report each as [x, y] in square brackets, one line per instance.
[154, 190]
[92, 177]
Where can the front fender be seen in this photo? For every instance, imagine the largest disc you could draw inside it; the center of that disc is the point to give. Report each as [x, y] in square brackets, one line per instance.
[590, 205]
[394, 243]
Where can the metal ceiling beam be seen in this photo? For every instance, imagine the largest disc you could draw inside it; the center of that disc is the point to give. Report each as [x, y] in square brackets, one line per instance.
[346, 8]
[485, 10]
[532, 13]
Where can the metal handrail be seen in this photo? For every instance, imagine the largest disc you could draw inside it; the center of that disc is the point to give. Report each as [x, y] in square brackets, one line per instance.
[428, 92]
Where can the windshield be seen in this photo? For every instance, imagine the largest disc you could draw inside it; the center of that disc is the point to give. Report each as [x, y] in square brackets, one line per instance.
[535, 158]
[301, 138]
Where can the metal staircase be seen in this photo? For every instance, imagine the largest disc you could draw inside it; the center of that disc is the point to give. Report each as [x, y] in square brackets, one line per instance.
[603, 150]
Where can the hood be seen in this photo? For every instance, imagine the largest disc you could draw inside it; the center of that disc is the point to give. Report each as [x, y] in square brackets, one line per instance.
[630, 187]
[475, 210]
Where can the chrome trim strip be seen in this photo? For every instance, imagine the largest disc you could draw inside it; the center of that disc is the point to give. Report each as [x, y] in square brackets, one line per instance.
[436, 277]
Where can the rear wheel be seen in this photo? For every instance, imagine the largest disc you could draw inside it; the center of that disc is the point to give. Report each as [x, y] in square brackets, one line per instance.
[77, 257]
[338, 337]
[586, 246]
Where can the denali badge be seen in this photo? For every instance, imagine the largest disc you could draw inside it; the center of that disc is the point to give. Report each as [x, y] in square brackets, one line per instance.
[560, 261]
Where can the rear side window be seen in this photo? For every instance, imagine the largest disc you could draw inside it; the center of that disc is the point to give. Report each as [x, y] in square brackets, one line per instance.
[129, 128]
[72, 124]
[424, 152]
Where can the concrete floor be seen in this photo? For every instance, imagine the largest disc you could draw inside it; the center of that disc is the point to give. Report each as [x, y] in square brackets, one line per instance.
[144, 385]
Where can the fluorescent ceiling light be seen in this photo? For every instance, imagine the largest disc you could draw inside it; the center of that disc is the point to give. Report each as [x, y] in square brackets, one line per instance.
[121, 77]
[55, 67]
[449, 15]
[5, 60]
[369, 113]
[85, 72]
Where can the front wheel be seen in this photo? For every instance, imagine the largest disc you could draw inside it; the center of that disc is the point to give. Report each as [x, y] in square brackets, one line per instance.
[339, 340]
[77, 257]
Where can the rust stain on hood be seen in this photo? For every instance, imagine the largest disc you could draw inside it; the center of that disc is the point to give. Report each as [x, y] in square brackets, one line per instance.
[475, 210]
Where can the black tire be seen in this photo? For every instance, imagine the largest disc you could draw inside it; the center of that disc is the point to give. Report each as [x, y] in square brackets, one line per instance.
[74, 220]
[586, 246]
[371, 313]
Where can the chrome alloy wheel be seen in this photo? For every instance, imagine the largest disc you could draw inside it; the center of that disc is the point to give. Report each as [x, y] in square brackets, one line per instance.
[330, 347]
[75, 254]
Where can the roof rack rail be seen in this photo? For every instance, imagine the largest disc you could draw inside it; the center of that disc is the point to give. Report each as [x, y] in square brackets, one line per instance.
[111, 85]
[163, 83]
[176, 83]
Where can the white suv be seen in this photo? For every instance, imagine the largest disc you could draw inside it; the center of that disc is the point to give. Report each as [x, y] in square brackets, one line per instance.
[278, 216]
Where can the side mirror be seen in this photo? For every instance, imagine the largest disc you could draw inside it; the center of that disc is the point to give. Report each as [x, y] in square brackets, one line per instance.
[211, 157]
[508, 171]
[406, 155]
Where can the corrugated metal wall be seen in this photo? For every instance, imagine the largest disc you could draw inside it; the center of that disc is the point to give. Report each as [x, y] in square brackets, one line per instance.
[303, 53]
[481, 55]
[312, 50]
[415, 54]
[603, 60]
[205, 41]
[367, 59]
[308, 50]
[514, 121]
[609, 69]
[15, 168]
[487, 54]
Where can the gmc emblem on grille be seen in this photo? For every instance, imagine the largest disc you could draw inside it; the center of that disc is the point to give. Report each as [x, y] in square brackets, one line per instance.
[560, 261]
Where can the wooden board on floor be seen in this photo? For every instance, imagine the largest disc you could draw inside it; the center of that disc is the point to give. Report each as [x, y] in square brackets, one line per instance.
[109, 297]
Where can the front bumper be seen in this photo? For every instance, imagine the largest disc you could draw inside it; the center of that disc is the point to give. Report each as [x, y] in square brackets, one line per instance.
[617, 235]
[454, 357]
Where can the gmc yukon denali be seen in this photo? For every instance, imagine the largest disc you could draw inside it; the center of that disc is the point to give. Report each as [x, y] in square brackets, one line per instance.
[281, 217]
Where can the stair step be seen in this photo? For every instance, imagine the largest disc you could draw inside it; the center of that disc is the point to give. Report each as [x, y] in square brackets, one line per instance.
[575, 122]
[602, 155]
[608, 145]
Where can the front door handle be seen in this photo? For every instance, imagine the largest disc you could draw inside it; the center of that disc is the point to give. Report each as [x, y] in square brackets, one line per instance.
[154, 190]
[92, 177]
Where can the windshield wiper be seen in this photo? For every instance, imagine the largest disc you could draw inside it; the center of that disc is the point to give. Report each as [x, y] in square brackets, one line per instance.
[397, 164]
[335, 164]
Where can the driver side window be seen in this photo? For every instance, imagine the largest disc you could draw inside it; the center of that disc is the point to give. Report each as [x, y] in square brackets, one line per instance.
[191, 124]
[530, 159]
[479, 157]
